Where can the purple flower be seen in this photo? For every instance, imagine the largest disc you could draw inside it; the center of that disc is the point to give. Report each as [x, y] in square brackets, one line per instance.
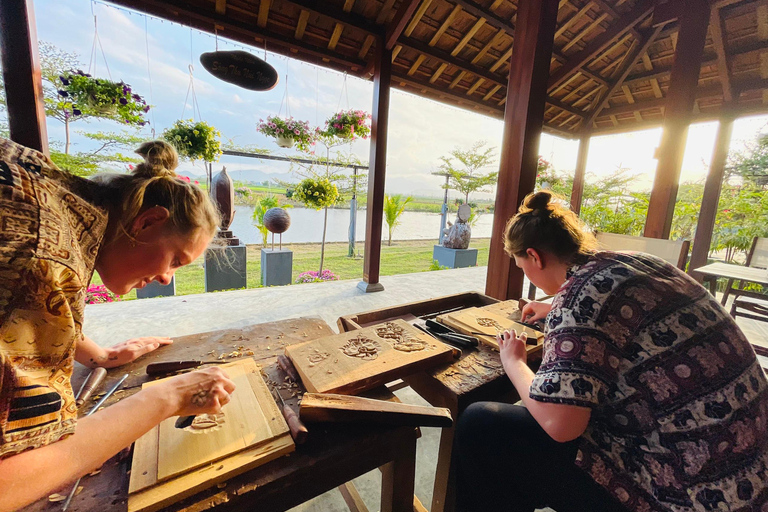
[76, 112]
[146, 109]
[64, 94]
[136, 97]
[123, 101]
[64, 80]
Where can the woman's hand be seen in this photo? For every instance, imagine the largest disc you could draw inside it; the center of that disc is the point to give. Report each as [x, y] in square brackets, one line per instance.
[129, 351]
[198, 392]
[535, 311]
[512, 350]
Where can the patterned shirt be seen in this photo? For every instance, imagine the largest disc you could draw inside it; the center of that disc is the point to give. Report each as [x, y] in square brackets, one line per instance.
[49, 236]
[679, 402]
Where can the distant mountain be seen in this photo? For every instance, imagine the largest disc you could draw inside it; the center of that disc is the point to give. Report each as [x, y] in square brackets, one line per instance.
[254, 176]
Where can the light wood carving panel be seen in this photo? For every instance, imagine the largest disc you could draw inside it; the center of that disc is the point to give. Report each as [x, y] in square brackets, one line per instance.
[359, 360]
[475, 321]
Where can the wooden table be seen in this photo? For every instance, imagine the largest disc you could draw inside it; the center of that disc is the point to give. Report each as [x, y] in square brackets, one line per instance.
[477, 376]
[714, 271]
[332, 455]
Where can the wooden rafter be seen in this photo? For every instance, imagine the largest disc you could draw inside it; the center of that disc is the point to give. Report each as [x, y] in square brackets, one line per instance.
[639, 12]
[491, 92]
[263, 13]
[474, 87]
[442, 94]
[717, 30]
[446, 23]
[349, 19]
[564, 107]
[490, 44]
[573, 19]
[468, 36]
[337, 30]
[369, 39]
[417, 17]
[399, 22]
[384, 12]
[301, 26]
[438, 72]
[221, 6]
[584, 32]
[416, 64]
[457, 79]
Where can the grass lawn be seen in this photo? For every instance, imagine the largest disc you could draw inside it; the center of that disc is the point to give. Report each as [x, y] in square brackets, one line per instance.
[402, 257]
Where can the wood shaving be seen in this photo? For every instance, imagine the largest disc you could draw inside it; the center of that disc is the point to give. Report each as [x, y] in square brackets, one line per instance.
[53, 498]
[79, 490]
[94, 473]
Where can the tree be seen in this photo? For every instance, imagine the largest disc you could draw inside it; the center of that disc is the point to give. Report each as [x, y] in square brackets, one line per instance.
[750, 164]
[464, 176]
[318, 194]
[394, 206]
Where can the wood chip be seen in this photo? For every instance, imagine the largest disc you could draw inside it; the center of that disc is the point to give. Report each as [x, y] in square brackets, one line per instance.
[79, 490]
[94, 473]
[53, 498]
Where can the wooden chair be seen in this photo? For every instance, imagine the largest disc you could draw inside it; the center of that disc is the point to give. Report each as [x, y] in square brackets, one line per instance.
[671, 251]
[746, 303]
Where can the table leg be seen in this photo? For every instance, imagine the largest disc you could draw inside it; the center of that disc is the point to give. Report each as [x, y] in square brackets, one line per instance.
[443, 494]
[397, 480]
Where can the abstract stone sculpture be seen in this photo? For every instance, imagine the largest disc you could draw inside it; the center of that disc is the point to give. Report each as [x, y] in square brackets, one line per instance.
[277, 220]
[457, 235]
[223, 194]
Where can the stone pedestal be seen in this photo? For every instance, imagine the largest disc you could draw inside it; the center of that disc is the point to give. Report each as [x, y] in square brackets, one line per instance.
[454, 258]
[276, 267]
[225, 268]
[155, 289]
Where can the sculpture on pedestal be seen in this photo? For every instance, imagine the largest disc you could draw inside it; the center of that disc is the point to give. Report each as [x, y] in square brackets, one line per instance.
[223, 194]
[277, 220]
[457, 235]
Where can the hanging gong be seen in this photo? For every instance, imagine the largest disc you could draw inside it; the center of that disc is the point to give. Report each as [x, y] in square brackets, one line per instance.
[240, 68]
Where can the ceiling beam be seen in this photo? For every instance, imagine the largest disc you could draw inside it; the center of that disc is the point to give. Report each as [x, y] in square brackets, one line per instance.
[338, 15]
[717, 30]
[444, 56]
[399, 22]
[301, 26]
[221, 6]
[573, 19]
[628, 21]
[446, 23]
[263, 13]
[708, 91]
[442, 95]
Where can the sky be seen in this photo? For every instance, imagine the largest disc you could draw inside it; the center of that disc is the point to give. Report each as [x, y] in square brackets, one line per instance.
[154, 56]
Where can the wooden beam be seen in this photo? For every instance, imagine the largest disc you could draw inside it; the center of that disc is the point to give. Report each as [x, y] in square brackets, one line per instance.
[628, 94]
[444, 56]
[221, 6]
[349, 19]
[468, 36]
[573, 19]
[628, 21]
[301, 26]
[565, 107]
[523, 122]
[369, 39]
[21, 74]
[382, 77]
[416, 63]
[263, 13]
[348, 4]
[384, 11]
[717, 29]
[584, 32]
[337, 30]
[490, 93]
[399, 22]
[446, 96]
[667, 12]
[679, 111]
[629, 63]
[490, 44]
[417, 17]
[474, 87]
[457, 79]
[437, 73]
[577, 192]
[705, 224]
[447, 23]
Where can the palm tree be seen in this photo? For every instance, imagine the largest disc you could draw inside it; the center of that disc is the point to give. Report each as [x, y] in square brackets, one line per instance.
[393, 208]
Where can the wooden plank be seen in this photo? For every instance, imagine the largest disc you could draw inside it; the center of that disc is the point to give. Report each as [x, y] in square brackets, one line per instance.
[333, 408]
[337, 30]
[490, 44]
[577, 191]
[468, 36]
[301, 26]
[263, 13]
[680, 99]
[417, 63]
[717, 29]
[384, 11]
[369, 39]
[399, 22]
[438, 72]
[490, 93]
[447, 23]
[486, 325]
[504, 59]
[628, 94]
[417, 17]
[352, 498]
[628, 21]
[523, 121]
[21, 75]
[353, 362]
[382, 78]
[474, 87]
[584, 32]
[348, 4]
[456, 80]
[573, 19]
[221, 6]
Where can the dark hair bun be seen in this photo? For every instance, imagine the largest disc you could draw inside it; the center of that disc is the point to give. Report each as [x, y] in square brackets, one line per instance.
[538, 201]
[160, 159]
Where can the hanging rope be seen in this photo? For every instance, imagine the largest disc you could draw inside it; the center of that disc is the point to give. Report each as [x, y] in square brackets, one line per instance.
[191, 87]
[341, 94]
[149, 76]
[285, 100]
[97, 41]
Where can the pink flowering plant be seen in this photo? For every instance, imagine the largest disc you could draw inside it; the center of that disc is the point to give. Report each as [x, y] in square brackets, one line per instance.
[314, 277]
[348, 124]
[290, 128]
[98, 294]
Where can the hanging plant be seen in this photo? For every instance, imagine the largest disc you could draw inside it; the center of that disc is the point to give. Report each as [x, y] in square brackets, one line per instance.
[316, 193]
[194, 140]
[288, 131]
[348, 124]
[80, 94]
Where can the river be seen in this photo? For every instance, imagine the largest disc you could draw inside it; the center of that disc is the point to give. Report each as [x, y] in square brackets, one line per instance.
[307, 226]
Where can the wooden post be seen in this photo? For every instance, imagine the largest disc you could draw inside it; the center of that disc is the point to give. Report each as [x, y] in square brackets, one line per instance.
[378, 165]
[21, 73]
[679, 103]
[577, 192]
[523, 121]
[709, 202]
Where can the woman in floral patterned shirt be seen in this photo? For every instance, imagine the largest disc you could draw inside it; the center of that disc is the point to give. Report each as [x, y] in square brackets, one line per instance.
[55, 230]
[648, 398]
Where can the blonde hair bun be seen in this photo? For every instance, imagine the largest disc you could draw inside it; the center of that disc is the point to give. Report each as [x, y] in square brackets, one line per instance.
[160, 160]
[538, 201]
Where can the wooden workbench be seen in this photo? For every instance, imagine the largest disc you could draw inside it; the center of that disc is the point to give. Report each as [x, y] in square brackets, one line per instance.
[332, 455]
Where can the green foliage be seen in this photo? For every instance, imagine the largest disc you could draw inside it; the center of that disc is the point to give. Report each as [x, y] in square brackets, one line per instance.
[81, 94]
[110, 155]
[260, 208]
[548, 178]
[316, 193]
[751, 163]
[348, 125]
[302, 135]
[194, 140]
[436, 266]
[393, 207]
[465, 176]
[743, 215]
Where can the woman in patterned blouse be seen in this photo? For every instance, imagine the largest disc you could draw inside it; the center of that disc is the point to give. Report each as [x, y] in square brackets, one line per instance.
[55, 230]
[648, 398]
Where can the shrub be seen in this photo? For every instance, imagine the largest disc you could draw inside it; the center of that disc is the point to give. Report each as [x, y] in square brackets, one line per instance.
[312, 277]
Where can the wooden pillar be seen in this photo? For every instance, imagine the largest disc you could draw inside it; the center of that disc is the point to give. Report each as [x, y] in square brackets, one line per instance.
[694, 21]
[378, 165]
[577, 193]
[21, 74]
[709, 202]
[523, 120]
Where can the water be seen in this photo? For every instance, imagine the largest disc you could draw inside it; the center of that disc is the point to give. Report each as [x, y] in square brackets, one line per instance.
[307, 226]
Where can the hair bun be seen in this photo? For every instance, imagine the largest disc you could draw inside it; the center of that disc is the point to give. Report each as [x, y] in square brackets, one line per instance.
[538, 201]
[160, 159]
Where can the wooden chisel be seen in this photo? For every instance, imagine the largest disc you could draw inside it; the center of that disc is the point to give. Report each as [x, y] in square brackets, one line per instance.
[298, 429]
[94, 380]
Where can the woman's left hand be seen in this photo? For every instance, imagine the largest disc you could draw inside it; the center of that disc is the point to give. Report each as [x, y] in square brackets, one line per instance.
[512, 349]
[128, 351]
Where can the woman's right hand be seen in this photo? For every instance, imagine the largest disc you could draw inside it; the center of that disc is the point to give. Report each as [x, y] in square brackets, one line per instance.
[198, 392]
[535, 311]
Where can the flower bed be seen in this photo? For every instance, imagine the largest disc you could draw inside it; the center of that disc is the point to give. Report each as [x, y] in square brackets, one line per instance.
[312, 277]
[98, 294]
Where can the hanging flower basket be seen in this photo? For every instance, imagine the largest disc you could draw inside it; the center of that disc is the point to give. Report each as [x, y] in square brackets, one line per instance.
[348, 124]
[194, 140]
[80, 94]
[288, 131]
[317, 194]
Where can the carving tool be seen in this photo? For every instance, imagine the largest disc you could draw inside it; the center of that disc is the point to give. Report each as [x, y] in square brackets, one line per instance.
[439, 328]
[447, 338]
[298, 430]
[287, 366]
[175, 366]
[94, 409]
[94, 380]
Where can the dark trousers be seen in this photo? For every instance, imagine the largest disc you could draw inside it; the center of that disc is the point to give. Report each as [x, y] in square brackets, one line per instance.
[506, 462]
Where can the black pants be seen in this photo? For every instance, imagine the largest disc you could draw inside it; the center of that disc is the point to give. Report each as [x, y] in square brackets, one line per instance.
[506, 462]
